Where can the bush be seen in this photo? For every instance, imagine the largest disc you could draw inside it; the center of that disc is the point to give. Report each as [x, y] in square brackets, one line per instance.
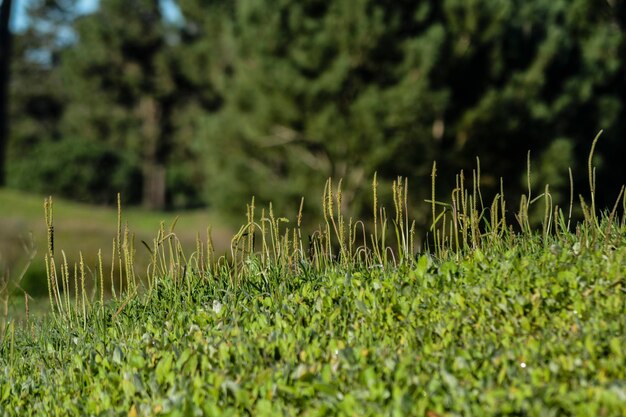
[83, 170]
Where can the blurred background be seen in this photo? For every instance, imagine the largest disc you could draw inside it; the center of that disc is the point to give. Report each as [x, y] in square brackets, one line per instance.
[191, 107]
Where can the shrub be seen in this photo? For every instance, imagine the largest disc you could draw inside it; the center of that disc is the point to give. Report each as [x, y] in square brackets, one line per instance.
[87, 171]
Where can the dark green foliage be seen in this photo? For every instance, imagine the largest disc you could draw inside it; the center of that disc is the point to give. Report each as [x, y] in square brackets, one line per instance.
[271, 97]
[38, 95]
[119, 85]
[524, 74]
[316, 89]
[85, 170]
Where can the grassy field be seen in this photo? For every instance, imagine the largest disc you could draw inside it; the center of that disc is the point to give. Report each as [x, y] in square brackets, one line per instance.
[526, 331]
[83, 228]
[494, 319]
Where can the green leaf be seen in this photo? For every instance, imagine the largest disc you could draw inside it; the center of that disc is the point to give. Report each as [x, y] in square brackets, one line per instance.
[164, 367]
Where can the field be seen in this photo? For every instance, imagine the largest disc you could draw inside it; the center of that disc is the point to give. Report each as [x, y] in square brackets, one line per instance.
[492, 319]
[82, 228]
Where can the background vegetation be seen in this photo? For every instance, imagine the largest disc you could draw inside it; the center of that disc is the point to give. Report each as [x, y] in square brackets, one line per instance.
[235, 98]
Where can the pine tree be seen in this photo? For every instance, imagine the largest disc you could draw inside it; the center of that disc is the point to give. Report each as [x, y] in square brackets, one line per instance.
[319, 89]
[5, 54]
[36, 90]
[120, 87]
[198, 61]
[532, 75]
[314, 89]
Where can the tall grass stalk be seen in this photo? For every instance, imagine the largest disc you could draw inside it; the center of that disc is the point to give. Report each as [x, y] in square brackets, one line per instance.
[271, 246]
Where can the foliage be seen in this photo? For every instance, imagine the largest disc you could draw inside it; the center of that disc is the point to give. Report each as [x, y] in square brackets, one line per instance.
[321, 90]
[81, 169]
[121, 61]
[38, 97]
[548, 71]
[116, 85]
[499, 333]
[527, 323]
[272, 97]
[346, 88]
[531, 329]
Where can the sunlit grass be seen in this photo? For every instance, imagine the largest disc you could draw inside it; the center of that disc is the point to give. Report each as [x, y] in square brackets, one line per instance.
[80, 228]
[490, 316]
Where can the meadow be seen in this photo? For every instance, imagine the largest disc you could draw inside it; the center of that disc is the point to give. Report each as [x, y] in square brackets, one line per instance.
[487, 317]
[81, 228]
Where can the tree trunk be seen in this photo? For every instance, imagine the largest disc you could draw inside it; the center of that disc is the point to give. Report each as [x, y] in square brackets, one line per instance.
[5, 62]
[153, 169]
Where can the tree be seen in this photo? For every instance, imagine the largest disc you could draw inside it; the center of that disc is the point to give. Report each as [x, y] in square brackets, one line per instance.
[271, 97]
[5, 62]
[198, 59]
[318, 89]
[40, 157]
[123, 95]
[37, 91]
[314, 89]
[120, 87]
[544, 76]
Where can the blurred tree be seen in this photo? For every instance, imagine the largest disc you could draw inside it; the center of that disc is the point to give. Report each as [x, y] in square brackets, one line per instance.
[86, 171]
[137, 102]
[197, 64]
[344, 88]
[269, 98]
[532, 75]
[121, 89]
[5, 60]
[36, 90]
[314, 89]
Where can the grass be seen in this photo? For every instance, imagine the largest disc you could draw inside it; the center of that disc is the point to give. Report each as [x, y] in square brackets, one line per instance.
[490, 318]
[81, 228]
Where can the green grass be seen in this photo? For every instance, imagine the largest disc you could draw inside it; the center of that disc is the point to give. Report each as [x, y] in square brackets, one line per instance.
[491, 318]
[526, 331]
[89, 228]
[82, 228]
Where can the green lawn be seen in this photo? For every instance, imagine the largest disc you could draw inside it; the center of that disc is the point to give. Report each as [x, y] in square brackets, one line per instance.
[524, 332]
[492, 321]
